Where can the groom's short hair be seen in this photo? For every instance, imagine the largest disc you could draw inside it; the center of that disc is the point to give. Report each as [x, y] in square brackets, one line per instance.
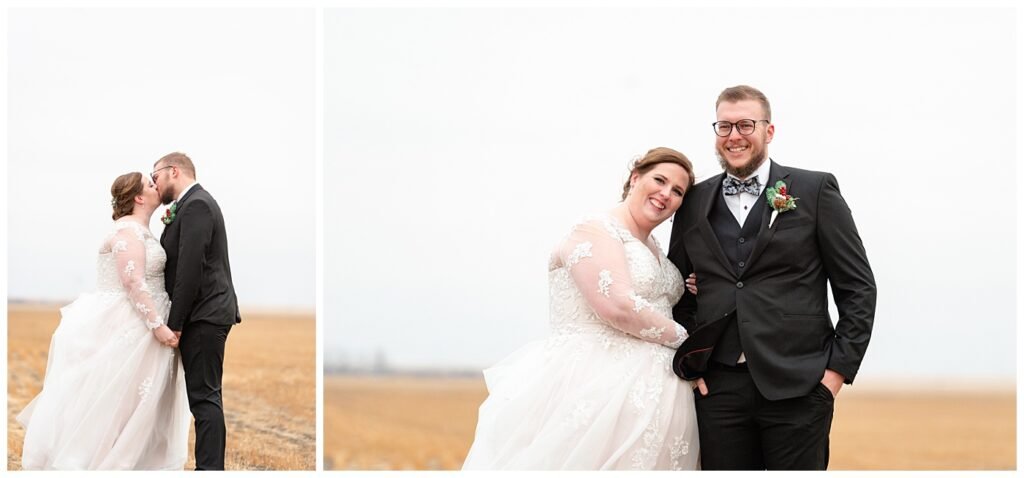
[181, 161]
[744, 92]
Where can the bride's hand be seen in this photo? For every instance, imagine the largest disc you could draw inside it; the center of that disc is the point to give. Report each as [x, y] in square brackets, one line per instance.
[691, 283]
[165, 336]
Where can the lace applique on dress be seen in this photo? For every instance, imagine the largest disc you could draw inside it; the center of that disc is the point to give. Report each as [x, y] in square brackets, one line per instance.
[144, 389]
[645, 455]
[639, 303]
[653, 333]
[680, 448]
[582, 250]
[604, 282]
[681, 336]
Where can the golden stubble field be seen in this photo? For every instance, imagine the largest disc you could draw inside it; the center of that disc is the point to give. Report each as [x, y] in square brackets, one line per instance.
[428, 423]
[269, 386]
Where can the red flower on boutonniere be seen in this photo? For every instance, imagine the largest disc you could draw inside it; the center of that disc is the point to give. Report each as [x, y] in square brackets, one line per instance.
[169, 214]
[780, 201]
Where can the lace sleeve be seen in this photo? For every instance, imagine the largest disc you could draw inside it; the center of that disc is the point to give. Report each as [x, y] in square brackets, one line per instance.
[129, 250]
[596, 260]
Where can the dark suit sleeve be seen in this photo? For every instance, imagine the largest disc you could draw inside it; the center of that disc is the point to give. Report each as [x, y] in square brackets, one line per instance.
[196, 234]
[685, 311]
[853, 284]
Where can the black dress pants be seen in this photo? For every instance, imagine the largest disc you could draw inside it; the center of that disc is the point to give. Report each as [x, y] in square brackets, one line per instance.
[741, 430]
[202, 356]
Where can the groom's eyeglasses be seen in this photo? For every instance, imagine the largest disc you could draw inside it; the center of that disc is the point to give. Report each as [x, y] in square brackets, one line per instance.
[744, 126]
[153, 174]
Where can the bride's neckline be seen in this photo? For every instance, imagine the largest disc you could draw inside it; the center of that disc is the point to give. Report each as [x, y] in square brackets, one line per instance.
[647, 243]
[618, 222]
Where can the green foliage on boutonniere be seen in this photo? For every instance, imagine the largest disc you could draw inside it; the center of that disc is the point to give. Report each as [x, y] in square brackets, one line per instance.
[169, 214]
[780, 200]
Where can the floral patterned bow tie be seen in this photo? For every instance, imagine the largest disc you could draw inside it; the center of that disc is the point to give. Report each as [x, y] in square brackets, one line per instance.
[732, 186]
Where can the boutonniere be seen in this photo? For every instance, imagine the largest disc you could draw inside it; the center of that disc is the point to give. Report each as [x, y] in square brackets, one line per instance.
[169, 214]
[780, 201]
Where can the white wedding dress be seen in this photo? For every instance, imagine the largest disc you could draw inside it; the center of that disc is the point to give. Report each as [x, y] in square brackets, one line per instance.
[599, 393]
[113, 397]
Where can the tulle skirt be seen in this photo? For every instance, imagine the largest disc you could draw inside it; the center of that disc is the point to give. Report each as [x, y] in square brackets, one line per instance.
[113, 397]
[586, 398]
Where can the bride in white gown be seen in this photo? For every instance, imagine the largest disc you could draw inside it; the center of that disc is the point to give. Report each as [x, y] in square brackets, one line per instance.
[599, 393]
[114, 393]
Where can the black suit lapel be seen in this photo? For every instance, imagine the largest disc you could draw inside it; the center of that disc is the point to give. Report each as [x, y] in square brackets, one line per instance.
[704, 225]
[765, 234]
[184, 198]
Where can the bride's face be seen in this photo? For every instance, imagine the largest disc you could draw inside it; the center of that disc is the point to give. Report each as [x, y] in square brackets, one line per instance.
[150, 196]
[658, 193]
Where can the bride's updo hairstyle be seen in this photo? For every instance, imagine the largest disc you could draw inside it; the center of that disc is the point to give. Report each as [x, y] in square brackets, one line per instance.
[654, 157]
[124, 190]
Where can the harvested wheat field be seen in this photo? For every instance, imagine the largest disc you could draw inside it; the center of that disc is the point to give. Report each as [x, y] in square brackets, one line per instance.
[269, 386]
[406, 423]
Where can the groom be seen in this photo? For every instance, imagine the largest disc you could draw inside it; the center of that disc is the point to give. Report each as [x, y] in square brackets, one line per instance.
[203, 302]
[766, 359]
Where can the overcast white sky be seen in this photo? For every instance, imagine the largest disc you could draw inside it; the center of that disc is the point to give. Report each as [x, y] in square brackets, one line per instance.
[460, 145]
[94, 93]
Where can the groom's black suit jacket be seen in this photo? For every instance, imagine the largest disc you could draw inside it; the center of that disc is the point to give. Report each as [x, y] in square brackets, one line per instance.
[777, 302]
[198, 274]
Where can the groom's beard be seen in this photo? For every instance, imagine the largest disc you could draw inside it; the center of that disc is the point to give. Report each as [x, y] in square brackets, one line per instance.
[742, 172]
[166, 196]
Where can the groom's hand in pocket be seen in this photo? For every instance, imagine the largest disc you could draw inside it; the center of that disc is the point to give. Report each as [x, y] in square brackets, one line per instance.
[700, 385]
[833, 381]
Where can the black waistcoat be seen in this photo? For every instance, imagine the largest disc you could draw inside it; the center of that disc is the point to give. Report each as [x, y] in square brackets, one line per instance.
[737, 243]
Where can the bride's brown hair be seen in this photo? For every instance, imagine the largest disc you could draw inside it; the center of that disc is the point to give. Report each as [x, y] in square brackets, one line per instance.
[124, 190]
[654, 157]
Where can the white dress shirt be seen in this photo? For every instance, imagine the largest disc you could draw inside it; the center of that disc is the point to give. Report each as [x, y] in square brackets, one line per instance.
[741, 203]
[183, 191]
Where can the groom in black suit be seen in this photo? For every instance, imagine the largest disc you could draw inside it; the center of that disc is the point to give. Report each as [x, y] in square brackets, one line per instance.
[765, 357]
[203, 301]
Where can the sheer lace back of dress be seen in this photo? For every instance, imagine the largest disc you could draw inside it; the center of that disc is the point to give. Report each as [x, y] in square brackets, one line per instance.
[114, 243]
[132, 261]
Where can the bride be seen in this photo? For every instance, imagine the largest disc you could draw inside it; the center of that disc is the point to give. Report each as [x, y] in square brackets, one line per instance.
[114, 393]
[599, 393]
